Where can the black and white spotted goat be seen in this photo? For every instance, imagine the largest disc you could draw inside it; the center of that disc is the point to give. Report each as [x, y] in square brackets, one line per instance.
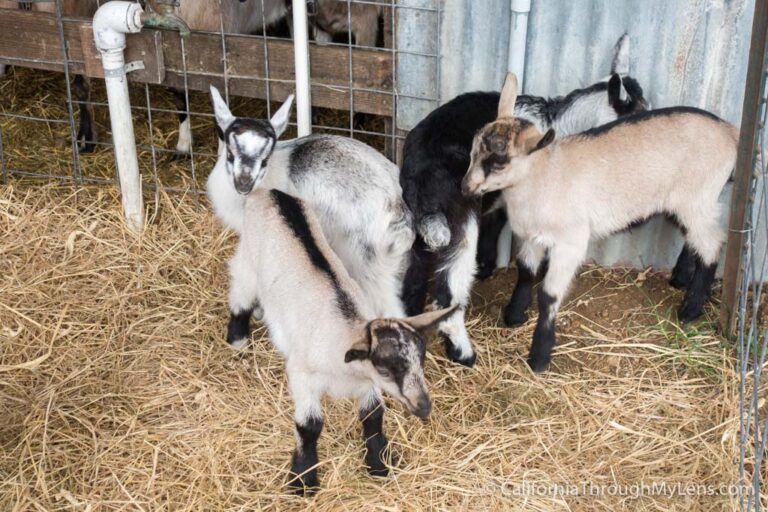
[351, 187]
[436, 157]
[559, 195]
[319, 320]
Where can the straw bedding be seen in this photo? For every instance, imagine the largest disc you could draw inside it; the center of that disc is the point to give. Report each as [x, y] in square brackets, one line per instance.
[117, 391]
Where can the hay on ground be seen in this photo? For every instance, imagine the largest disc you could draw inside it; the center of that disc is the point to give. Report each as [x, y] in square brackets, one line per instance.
[117, 391]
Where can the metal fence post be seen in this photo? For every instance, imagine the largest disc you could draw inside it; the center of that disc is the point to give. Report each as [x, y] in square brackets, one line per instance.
[750, 117]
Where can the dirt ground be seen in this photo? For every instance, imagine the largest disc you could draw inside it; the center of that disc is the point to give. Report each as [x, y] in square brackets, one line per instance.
[117, 391]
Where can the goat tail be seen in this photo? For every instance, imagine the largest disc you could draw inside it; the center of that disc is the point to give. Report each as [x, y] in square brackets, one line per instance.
[435, 231]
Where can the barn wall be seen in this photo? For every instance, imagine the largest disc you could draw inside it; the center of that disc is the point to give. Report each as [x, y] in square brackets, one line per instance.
[684, 52]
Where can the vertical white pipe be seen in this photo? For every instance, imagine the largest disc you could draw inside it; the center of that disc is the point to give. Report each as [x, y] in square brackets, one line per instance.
[518, 34]
[301, 58]
[123, 138]
[110, 24]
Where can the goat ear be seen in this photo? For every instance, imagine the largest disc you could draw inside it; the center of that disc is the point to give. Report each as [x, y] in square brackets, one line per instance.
[508, 96]
[427, 322]
[223, 116]
[620, 62]
[614, 90]
[362, 348]
[280, 119]
[543, 142]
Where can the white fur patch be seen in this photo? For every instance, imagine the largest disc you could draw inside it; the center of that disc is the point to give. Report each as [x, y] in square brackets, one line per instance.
[184, 145]
[435, 231]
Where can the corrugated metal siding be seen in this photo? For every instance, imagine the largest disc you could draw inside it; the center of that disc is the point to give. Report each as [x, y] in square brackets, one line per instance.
[683, 52]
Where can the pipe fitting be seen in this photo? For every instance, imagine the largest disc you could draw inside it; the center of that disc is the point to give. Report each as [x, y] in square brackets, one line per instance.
[112, 21]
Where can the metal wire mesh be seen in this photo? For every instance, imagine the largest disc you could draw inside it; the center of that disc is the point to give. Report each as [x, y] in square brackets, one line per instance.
[752, 328]
[360, 101]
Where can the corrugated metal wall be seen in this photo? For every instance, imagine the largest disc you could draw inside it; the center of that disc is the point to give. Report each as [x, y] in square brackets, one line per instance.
[683, 52]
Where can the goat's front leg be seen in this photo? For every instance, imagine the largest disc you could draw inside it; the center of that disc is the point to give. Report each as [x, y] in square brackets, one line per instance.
[528, 262]
[243, 300]
[564, 260]
[371, 409]
[308, 418]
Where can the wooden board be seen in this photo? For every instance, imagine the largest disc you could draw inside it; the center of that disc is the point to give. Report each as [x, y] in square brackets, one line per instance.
[250, 61]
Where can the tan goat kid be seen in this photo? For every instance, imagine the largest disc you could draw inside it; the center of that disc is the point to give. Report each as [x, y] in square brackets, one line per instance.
[561, 194]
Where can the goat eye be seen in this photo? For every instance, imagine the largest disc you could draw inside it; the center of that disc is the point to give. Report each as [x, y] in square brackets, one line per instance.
[384, 373]
[263, 163]
[230, 157]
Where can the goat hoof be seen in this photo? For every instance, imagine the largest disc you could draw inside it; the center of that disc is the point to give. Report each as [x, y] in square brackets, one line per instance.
[689, 311]
[379, 471]
[304, 485]
[514, 318]
[484, 271]
[679, 281]
[455, 354]
[257, 313]
[539, 363]
[85, 148]
[179, 156]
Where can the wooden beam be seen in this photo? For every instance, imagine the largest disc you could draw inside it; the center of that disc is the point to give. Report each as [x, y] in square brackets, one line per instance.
[250, 60]
[733, 270]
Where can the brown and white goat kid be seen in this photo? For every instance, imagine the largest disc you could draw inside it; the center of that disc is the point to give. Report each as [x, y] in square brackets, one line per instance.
[561, 194]
[318, 319]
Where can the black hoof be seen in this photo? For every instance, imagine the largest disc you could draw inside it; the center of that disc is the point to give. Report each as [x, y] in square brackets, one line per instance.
[689, 311]
[304, 485]
[679, 282]
[484, 271]
[85, 148]
[539, 363]
[453, 353]
[513, 318]
[380, 471]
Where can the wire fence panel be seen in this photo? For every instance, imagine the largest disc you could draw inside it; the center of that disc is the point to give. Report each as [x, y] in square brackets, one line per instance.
[354, 50]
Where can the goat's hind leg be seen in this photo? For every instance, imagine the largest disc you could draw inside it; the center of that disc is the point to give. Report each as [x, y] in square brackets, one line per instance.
[243, 300]
[371, 409]
[86, 133]
[184, 144]
[704, 235]
[682, 274]
[416, 280]
[453, 284]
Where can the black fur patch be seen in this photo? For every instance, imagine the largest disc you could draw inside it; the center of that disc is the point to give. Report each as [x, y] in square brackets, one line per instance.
[302, 476]
[641, 117]
[292, 210]
[308, 151]
[375, 440]
[260, 126]
[516, 310]
[543, 335]
[239, 326]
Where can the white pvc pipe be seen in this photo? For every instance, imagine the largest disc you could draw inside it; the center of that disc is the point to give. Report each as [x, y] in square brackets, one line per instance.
[110, 24]
[301, 59]
[518, 33]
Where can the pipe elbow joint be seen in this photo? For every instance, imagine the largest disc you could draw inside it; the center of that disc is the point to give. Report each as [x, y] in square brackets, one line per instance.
[112, 21]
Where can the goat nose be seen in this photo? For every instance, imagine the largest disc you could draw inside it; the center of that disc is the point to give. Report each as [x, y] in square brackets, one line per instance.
[423, 407]
[243, 184]
[466, 191]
